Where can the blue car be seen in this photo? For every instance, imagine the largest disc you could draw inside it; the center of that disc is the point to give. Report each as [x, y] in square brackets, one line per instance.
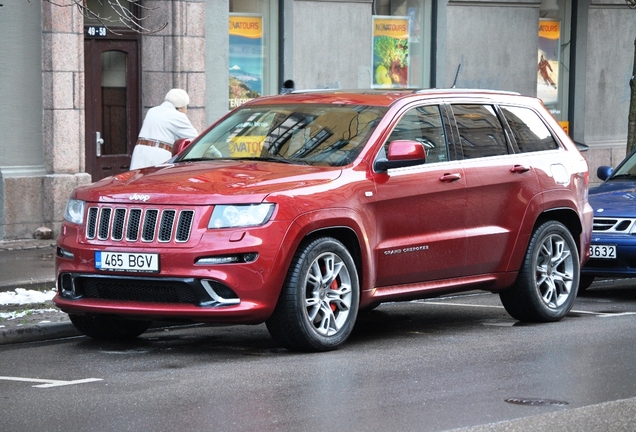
[613, 248]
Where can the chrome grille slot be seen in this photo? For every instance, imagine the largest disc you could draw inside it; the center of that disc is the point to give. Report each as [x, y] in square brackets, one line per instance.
[184, 226]
[150, 223]
[134, 220]
[138, 224]
[91, 222]
[165, 227]
[104, 223]
[118, 224]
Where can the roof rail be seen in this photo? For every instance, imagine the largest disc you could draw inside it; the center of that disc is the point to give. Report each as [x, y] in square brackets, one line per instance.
[459, 90]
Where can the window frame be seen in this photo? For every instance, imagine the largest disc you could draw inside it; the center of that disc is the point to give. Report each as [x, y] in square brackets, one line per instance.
[504, 127]
[448, 129]
[513, 136]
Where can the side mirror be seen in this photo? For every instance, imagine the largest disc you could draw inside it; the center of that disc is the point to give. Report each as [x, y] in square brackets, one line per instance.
[179, 145]
[604, 172]
[402, 153]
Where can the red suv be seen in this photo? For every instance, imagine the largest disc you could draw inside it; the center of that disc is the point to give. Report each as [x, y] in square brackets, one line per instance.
[303, 209]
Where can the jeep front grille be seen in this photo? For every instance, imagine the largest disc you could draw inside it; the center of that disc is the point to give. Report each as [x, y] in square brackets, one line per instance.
[613, 225]
[135, 224]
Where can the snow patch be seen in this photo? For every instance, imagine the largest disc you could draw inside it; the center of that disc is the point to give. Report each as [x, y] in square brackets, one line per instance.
[23, 296]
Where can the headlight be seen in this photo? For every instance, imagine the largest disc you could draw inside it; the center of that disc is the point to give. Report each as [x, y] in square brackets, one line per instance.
[238, 216]
[75, 211]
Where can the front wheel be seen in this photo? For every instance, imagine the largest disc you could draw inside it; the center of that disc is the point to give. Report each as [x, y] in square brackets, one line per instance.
[108, 327]
[547, 284]
[318, 304]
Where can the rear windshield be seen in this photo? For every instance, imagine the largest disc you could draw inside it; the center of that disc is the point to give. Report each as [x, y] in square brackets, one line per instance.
[331, 135]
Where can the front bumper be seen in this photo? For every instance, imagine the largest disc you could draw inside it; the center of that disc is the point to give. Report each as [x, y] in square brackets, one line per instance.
[624, 265]
[186, 287]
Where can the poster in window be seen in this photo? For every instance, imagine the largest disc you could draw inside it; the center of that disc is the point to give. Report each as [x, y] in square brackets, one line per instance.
[548, 61]
[390, 51]
[246, 58]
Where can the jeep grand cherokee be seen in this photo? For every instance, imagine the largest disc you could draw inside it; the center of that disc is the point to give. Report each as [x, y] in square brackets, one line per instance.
[301, 210]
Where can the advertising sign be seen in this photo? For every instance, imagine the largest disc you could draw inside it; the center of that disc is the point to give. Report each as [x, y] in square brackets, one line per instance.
[246, 146]
[246, 58]
[548, 61]
[390, 51]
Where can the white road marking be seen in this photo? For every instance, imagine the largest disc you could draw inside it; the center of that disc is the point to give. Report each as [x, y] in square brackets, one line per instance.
[463, 304]
[46, 383]
[598, 314]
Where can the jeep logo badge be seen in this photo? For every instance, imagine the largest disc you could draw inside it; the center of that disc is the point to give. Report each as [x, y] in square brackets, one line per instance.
[137, 197]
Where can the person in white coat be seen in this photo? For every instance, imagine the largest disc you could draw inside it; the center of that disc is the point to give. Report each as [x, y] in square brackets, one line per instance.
[162, 126]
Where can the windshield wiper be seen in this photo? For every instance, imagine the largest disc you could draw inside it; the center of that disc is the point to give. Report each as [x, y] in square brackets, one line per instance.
[196, 160]
[263, 159]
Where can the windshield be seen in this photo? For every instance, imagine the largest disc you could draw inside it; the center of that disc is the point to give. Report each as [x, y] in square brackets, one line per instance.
[627, 170]
[296, 133]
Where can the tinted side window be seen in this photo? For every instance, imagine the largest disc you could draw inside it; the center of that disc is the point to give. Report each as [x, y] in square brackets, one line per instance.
[423, 124]
[529, 130]
[480, 131]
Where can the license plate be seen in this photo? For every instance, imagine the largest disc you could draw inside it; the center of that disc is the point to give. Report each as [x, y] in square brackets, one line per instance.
[129, 262]
[603, 251]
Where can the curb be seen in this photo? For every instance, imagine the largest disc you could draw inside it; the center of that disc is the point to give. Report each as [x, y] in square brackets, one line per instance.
[36, 333]
[25, 244]
[40, 284]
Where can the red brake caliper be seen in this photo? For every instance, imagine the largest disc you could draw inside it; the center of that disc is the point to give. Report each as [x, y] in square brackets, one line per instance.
[334, 286]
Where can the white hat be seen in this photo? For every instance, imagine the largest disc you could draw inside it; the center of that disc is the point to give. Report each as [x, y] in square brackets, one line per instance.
[179, 98]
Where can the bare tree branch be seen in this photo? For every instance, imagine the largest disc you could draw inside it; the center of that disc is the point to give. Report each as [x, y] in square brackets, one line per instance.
[124, 14]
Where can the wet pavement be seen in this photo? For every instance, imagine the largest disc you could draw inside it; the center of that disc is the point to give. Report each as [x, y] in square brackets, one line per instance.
[28, 264]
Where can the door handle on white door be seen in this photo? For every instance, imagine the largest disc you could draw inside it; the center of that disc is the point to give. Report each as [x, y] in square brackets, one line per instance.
[99, 141]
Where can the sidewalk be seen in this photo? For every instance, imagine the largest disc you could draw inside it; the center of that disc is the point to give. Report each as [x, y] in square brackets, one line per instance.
[30, 265]
[27, 264]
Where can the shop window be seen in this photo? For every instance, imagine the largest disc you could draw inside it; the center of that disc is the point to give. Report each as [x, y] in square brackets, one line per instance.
[553, 57]
[401, 43]
[253, 50]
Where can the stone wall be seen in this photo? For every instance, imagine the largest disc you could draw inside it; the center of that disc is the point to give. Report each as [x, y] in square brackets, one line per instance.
[175, 56]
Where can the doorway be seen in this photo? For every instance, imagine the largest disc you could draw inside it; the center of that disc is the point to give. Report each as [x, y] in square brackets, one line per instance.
[112, 103]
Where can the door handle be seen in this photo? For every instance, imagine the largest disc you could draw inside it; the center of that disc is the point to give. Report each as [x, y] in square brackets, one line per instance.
[98, 141]
[519, 169]
[449, 177]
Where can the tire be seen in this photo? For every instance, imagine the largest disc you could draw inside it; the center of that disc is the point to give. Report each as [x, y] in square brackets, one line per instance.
[585, 281]
[547, 283]
[109, 328]
[318, 305]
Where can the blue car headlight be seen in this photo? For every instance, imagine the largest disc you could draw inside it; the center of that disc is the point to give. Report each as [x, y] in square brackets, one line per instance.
[240, 216]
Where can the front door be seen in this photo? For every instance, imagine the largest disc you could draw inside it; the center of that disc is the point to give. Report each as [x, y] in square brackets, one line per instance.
[112, 103]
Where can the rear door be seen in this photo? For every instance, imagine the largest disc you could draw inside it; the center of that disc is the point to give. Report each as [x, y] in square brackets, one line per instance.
[500, 185]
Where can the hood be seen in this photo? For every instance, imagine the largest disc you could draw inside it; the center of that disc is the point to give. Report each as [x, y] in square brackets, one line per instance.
[203, 183]
[614, 198]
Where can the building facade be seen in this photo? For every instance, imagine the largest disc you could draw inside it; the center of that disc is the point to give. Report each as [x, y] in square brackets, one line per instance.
[73, 91]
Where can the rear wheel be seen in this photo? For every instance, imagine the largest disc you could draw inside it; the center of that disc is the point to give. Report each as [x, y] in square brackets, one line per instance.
[318, 305]
[546, 287]
[109, 327]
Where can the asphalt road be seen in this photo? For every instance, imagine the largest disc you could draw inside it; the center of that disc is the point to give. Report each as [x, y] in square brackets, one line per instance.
[443, 364]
